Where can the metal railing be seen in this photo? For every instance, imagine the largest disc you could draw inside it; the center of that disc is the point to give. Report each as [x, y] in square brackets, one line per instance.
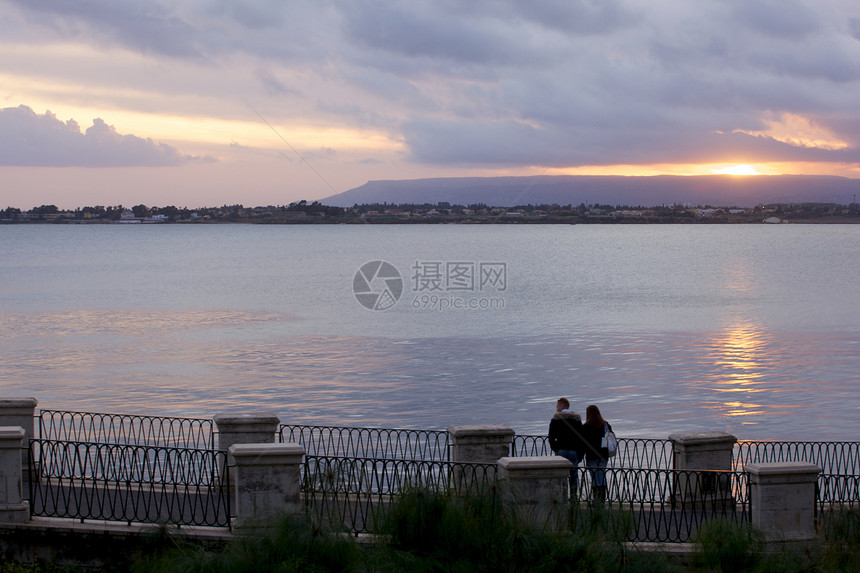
[834, 458]
[433, 445]
[658, 505]
[117, 482]
[102, 428]
[383, 443]
[837, 491]
[156, 469]
[837, 505]
[632, 452]
[665, 505]
[356, 493]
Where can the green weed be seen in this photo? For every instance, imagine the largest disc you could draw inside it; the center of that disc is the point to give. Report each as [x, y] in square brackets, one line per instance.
[729, 546]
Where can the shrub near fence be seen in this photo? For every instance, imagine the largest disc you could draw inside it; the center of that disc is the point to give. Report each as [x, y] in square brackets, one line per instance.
[118, 482]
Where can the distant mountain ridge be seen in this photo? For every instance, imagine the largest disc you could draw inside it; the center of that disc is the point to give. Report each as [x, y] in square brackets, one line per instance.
[718, 190]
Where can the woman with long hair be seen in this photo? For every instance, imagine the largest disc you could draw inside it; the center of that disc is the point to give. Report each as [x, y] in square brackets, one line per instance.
[593, 430]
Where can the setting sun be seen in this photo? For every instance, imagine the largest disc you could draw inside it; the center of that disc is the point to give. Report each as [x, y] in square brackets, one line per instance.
[741, 169]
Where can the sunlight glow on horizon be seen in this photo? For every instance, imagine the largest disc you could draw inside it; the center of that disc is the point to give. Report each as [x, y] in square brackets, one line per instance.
[851, 170]
[741, 169]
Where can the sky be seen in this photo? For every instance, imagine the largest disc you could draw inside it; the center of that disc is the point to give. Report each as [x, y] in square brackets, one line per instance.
[265, 102]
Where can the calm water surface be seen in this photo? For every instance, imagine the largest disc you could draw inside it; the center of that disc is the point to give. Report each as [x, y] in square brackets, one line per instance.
[749, 329]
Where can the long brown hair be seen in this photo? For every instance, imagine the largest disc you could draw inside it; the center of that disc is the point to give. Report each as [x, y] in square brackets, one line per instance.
[593, 417]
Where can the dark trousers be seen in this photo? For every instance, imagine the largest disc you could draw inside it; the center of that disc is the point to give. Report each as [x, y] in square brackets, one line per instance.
[573, 457]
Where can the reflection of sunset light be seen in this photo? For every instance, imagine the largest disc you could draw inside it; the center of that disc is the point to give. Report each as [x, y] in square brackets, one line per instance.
[742, 362]
[742, 409]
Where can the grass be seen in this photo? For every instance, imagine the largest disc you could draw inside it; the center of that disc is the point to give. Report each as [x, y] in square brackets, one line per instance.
[290, 543]
[841, 551]
[427, 531]
[430, 531]
[728, 546]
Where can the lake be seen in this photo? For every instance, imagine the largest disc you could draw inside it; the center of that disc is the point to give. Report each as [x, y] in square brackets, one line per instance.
[751, 329]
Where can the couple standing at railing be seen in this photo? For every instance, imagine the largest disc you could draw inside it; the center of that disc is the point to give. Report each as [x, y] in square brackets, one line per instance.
[570, 438]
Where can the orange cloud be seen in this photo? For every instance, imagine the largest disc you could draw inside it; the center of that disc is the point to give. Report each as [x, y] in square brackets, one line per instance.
[799, 131]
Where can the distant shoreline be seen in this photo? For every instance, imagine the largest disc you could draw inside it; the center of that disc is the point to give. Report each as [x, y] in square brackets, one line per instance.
[315, 213]
[821, 220]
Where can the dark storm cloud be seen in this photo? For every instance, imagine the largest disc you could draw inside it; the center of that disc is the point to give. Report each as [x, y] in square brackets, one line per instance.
[28, 139]
[582, 17]
[419, 31]
[145, 26]
[783, 19]
[501, 143]
[678, 96]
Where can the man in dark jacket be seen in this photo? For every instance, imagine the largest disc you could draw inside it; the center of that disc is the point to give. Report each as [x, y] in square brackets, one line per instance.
[565, 437]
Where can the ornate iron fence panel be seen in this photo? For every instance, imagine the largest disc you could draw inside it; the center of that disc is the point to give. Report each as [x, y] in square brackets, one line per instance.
[383, 443]
[837, 505]
[356, 493]
[664, 505]
[836, 492]
[93, 427]
[117, 482]
[834, 458]
[632, 452]
[529, 445]
[659, 505]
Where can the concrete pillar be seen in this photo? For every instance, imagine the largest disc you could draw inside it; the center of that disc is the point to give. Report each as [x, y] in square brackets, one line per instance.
[268, 479]
[19, 412]
[703, 451]
[537, 487]
[245, 429]
[13, 507]
[782, 499]
[481, 444]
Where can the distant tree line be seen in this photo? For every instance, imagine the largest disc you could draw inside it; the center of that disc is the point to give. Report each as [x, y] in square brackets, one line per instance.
[442, 211]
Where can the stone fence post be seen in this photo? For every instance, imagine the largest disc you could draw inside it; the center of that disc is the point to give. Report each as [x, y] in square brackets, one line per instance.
[13, 507]
[703, 451]
[782, 499]
[268, 479]
[537, 487]
[244, 429]
[480, 444]
[20, 412]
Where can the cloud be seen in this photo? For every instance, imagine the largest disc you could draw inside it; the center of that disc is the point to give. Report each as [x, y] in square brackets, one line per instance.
[559, 83]
[28, 140]
[147, 26]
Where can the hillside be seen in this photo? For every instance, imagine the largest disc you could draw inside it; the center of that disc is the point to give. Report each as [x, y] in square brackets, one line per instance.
[722, 190]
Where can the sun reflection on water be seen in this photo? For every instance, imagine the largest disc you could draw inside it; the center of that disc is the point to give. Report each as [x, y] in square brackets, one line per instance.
[743, 360]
